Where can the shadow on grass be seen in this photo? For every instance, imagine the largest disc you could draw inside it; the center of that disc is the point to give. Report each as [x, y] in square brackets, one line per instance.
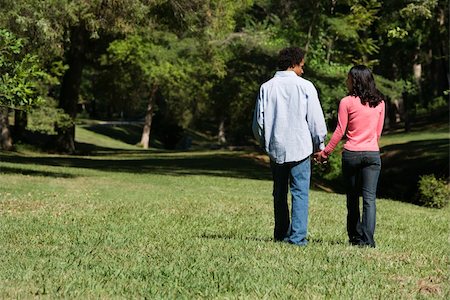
[94, 150]
[8, 170]
[169, 163]
[233, 237]
[257, 239]
[403, 164]
[328, 242]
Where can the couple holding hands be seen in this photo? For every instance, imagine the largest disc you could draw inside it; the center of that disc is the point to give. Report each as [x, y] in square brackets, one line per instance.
[289, 124]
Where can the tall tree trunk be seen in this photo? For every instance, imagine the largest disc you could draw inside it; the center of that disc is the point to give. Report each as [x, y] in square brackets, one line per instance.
[5, 134]
[145, 139]
[70, 87]
[310, 29]
[417, 73]
[329, 49]
[331, 40]
[221, 135]
[442, 63]
[20, 124]
[406, 112]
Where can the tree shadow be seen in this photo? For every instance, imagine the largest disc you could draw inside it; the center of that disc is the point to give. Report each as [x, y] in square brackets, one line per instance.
[9, 170]
[164, 163]
[328, 242]
[233, 237]
[403, 164]
[219, 236]
[402, 167]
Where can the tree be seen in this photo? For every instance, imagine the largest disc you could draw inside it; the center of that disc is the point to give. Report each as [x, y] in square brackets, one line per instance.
[180, 60]
[21, 82]
[68, 30]
[415, 45]
[162, 61]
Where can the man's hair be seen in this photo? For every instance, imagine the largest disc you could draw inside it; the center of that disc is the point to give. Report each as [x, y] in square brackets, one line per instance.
[289, 57]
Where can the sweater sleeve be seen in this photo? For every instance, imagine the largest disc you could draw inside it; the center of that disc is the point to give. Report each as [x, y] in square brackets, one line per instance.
[381, 120]
[340, 129]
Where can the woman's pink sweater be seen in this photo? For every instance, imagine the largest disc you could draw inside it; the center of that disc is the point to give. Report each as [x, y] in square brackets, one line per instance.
[363, 124]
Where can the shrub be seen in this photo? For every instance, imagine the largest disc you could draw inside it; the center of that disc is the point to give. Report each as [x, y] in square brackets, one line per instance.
[331, 171]
[433, 192]
[44, 119]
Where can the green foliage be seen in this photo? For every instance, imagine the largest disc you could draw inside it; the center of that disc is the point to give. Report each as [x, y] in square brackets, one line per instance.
[433, 192]
[438, 103]
[209, 56]
[391, 89]
[159, 59]
[43, 119]
[21, 76]
[332, 169]
[233, 96]
[397, 33]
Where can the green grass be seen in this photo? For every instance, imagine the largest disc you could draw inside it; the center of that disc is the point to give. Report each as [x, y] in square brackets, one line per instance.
[91, 135]
[436, 132]
[159, 224]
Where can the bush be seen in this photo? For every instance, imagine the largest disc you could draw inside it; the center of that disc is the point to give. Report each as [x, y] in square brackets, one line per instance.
[332, 170]
[44, 118]
[433, 192]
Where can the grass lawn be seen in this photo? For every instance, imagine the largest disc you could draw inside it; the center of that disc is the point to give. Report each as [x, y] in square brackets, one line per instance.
[127, 223]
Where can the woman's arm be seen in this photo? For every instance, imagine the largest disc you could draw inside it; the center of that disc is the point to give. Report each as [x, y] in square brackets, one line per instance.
[340, 129]
[381, 120]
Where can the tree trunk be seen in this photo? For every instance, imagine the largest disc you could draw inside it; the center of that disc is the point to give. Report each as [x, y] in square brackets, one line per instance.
[406, 112]
[145, 139]
[20, 124]
[5, 134]
[70, 87]
[221, 135]
[310, 29]
[417, 73]
[441, 64]
[329, 47]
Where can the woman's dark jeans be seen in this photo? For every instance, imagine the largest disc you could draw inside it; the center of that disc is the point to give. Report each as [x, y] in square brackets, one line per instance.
[361, 170]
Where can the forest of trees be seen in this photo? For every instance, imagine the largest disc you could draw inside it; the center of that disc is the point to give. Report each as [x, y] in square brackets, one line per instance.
[198, 64]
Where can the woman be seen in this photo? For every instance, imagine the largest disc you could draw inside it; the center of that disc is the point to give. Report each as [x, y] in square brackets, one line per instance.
[361, 118]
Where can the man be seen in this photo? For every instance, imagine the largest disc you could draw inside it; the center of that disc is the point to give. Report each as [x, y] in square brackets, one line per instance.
[290, 126]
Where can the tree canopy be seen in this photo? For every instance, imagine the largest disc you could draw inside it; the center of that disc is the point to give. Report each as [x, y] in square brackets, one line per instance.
[198, 64]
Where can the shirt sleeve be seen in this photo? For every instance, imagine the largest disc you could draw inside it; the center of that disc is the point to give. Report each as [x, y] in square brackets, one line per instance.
[316, 120]
[258, 119]
[381, 119]
[340, 129]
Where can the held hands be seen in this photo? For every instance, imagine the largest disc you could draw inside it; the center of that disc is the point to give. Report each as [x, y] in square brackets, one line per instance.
[319, 158]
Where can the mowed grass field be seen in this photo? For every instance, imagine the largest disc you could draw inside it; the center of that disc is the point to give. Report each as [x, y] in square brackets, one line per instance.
[128, 223]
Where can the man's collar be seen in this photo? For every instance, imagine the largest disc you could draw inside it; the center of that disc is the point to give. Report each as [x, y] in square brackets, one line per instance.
[285, 74]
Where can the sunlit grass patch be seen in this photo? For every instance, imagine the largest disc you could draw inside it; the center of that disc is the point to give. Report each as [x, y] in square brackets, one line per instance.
[196, 225]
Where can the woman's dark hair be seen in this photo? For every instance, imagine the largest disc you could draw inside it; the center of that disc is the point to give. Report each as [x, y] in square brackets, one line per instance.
[363, 86]
[289, 57]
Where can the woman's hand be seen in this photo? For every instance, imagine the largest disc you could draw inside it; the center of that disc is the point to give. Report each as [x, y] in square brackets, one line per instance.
[320, 158]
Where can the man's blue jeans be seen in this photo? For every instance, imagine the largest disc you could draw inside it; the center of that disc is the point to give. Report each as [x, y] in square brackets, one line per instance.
[297, 175]
[361, 170]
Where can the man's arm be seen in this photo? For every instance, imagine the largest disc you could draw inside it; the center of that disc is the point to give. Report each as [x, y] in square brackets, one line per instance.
[258, 119]
[316, 120]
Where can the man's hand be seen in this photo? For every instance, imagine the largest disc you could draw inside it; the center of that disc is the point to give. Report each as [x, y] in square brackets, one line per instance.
[318, 158]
